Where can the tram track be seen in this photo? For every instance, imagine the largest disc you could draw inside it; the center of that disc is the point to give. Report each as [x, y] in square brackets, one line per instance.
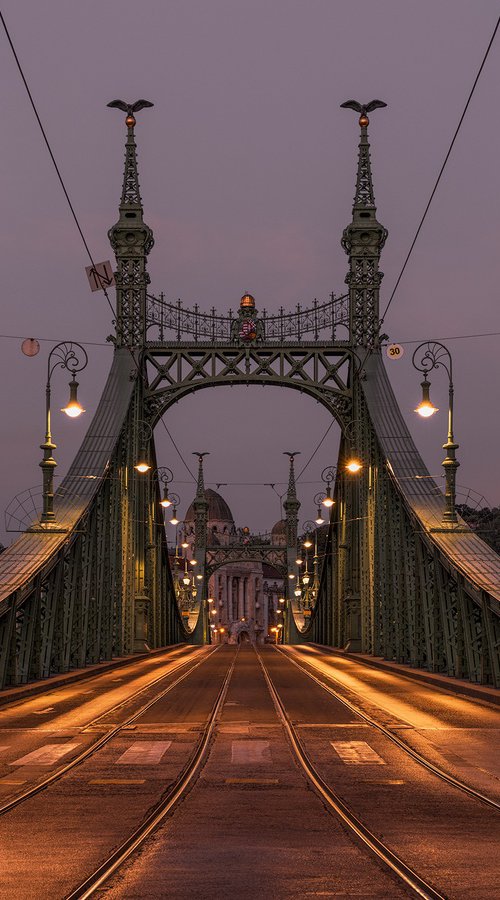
[395, 739]
[123, 861]
[409, 878]
[177, 790]
[112, 732]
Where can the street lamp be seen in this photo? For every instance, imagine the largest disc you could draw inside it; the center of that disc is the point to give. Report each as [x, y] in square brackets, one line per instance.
[307, 530]
[73, 357]
[328, 475]
[174, 501]
[145, 433]
[318, 500]
[436, 355]
[353, 465]
[165, 476]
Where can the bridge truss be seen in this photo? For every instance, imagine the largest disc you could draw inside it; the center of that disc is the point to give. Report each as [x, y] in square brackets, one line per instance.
[395, 582]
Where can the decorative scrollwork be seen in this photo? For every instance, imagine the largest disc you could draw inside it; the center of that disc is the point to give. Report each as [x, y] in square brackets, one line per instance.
[214, 328]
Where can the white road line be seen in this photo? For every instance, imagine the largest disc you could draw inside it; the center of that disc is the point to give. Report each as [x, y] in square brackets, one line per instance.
[5, 747]
[43, 712]
[144, 753]
[250, 752]
[357, 753]
[47, 755]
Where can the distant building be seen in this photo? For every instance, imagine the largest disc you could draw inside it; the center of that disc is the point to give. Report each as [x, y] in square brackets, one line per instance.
[245, 593]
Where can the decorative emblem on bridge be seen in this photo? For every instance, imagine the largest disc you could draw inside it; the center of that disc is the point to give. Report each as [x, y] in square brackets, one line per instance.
[247, 327]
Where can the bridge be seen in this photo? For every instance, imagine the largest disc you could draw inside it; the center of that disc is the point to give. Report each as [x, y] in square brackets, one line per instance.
[403, 577]
[377, 709]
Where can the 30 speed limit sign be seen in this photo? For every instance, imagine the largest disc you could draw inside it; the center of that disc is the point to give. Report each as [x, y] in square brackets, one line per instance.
[395, 351]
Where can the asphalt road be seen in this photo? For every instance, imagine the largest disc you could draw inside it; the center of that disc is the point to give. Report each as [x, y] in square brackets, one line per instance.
[251, 824]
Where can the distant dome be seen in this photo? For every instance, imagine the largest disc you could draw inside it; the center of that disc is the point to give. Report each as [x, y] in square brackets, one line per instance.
[217, 508]
[279, 528]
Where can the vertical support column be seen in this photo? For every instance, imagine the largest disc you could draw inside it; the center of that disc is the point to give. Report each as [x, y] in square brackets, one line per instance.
[241, 596]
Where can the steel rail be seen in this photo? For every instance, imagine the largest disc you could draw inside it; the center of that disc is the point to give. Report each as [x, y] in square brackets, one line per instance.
[410, 879]
[95, 881]
[431, 767]
[89, 751]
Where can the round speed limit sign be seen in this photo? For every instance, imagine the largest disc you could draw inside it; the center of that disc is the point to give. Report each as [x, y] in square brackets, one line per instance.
[395, 351]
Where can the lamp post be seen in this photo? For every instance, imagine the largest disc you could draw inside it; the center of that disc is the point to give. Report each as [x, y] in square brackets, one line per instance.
[328, 476]
[144, 434]
[428, 356]
[165, 476]
[73, 358]
[318, 500]
[173, 501]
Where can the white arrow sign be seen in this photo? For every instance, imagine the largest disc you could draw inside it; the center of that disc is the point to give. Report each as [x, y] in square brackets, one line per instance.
[100, 276]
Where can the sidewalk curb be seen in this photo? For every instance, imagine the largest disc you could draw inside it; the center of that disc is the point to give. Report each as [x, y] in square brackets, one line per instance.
[444, 682]
[22, 692]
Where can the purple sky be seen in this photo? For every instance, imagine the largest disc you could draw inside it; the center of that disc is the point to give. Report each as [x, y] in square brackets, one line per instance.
[247, 170]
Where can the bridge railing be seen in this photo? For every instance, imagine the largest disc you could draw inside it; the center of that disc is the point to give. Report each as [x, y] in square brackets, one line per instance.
[173, 321]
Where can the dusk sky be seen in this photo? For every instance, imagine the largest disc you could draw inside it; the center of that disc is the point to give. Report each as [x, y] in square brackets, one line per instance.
[247, 171]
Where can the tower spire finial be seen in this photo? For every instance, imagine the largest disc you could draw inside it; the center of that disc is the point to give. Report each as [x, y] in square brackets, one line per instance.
[364, 196]
[200, 504]
[200, 486]
[291, 505]
[130, 192]
[131, 240]
[292, 490]
[363, 240]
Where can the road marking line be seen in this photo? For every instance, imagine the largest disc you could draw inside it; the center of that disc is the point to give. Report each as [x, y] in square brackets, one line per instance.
[251, 781]
[11, 781]
[234, 729]
[250, 752]
[117, 781]
[357, 753]
[45, 756]
[144, 753]
[386, 781]
[43, 712]
[4, 747]
[334, 725]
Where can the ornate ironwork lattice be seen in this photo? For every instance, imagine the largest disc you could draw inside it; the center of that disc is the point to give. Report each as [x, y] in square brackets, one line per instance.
[321, 320]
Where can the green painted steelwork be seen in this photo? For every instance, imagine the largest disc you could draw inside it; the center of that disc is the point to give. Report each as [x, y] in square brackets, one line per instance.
[392, 584]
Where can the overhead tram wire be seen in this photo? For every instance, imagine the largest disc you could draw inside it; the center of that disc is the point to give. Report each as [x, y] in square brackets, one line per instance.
[51, 154]
[70, 204]
[441, 171]
[313, 454]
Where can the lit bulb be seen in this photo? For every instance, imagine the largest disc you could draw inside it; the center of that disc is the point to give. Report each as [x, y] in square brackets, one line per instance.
[353, 466]
[73, 408]
[142, 467]
[426, 409]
